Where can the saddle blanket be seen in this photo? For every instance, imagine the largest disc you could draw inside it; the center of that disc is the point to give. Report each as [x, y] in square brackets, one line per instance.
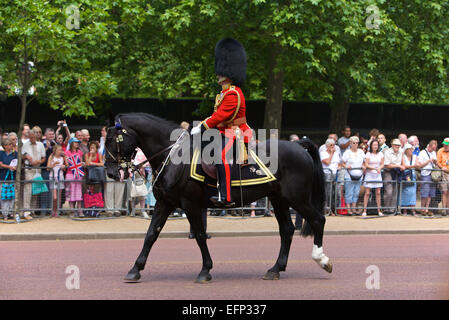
[252, 173]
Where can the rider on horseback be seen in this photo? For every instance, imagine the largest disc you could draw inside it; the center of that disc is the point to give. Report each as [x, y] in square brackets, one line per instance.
[229, 115]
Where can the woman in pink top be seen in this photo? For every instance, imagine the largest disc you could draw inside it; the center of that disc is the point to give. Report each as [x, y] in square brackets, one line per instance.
[75, 173]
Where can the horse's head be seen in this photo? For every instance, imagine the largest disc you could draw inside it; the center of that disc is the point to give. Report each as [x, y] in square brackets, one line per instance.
[120, 146]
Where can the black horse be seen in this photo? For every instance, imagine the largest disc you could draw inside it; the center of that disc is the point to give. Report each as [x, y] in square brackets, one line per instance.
[299, 184]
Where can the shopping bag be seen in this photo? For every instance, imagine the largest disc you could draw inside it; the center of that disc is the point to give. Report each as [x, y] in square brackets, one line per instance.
[38, 186]
[7, 189]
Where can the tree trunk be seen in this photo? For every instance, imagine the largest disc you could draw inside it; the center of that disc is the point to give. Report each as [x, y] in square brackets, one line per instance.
[18, 187]
[339, 108]
[273, 105]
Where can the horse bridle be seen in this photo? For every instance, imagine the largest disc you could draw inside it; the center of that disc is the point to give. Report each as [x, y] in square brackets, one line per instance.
[127, 164]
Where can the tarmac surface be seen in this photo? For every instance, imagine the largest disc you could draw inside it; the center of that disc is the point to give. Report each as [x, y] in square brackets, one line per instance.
[136, 227]
[382, 266]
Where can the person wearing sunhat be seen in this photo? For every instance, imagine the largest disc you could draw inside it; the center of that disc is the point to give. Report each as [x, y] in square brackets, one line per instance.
[229, 115]
[443, 163]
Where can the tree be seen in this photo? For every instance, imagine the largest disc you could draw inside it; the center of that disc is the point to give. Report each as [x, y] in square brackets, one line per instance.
[42, 47]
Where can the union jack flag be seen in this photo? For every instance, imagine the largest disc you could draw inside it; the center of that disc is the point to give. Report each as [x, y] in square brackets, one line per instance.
[76, 166]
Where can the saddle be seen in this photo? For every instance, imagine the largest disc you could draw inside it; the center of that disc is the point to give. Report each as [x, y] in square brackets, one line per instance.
[252, 173]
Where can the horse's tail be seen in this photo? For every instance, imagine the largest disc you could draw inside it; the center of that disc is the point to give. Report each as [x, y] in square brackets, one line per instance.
[318, 186]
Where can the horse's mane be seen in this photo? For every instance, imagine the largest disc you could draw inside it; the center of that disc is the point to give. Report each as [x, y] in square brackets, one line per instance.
[154, 120]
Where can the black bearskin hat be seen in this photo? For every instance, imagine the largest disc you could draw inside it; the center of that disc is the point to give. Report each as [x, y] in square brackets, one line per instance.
[230, 60]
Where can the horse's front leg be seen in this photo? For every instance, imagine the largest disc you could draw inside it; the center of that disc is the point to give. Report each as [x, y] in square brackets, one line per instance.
[160, 215]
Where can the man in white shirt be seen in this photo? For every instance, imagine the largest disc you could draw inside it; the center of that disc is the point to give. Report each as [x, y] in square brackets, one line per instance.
[393, 166]
[427, 160]
[334, 137]
[33, 153]
[343, 142]
[330, 159]
[25, 133]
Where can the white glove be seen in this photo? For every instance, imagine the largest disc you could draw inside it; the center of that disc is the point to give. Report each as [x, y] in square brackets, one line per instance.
[196, 129]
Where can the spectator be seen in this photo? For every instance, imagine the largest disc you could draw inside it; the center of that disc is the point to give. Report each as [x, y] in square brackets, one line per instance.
[14, 140]
[101, 150]
[25, 132]
[403, 140]
[74, 176]
[330, 158]
[79, 135]
[93, 157]
[84, 145]
[383, 146]
[294, 137]
[8, 165]
[56, 165]
[443, 163]
[352, 161]
[414, 142]
[427, 161]
[374, 163]
[45, 198]
[408, 194]
[33, 153]
[139, 177]
[4, 137]
[373, 134]
[343, 142]
[38, 132]
[334, 137]
[392, 172]
[62, 125]
[184, 125]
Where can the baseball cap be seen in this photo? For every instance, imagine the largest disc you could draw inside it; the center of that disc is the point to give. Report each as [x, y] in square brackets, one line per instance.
[396, 142]
[408, 146]
[73, 140]
[446, 141]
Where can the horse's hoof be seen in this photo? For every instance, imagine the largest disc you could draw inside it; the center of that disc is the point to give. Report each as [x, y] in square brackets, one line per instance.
[204, 278]
[328, 267]
[132, 277]
[271, 276]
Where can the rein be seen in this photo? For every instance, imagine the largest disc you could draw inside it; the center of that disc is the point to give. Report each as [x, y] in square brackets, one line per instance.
[129, 165]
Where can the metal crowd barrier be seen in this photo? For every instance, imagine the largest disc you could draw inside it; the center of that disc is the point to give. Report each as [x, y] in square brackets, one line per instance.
[393, 193]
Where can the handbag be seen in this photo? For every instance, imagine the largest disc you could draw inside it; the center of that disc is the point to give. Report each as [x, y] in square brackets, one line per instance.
[138, 187]
[436, 175]
[38, 186]
[96, 175]
[8, 191]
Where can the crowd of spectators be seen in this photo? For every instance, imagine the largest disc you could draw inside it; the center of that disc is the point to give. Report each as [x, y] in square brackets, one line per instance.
[357, 162]
[59, 162]
[367, 167]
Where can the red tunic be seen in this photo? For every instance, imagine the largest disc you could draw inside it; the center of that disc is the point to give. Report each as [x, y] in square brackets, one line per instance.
[230, 113]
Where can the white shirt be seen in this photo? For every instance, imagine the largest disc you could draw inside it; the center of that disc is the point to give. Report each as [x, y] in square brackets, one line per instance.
[36, 151]
[333, 166]
[354, 160]
[424, 156]
[323, 148]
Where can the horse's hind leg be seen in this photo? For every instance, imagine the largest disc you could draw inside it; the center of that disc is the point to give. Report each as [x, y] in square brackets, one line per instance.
[314, 225]
[195, 219]
[160, 215]
[286, 231]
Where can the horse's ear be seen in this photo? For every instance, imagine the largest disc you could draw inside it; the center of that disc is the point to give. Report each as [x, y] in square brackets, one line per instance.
[111, 119]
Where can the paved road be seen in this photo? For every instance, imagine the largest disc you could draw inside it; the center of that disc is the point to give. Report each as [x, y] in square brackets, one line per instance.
[410, 267]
